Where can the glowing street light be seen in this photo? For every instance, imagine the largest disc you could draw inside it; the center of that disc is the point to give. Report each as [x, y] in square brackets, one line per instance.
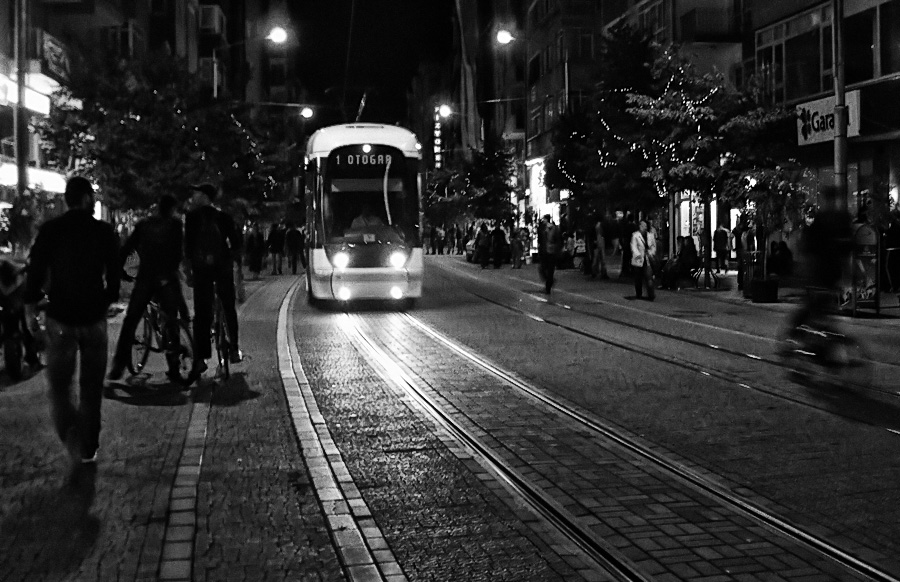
[505, 37]
[277, 35]
[445, 111]
[306, 112]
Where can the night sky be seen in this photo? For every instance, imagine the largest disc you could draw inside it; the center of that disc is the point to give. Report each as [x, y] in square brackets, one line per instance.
[390, 38]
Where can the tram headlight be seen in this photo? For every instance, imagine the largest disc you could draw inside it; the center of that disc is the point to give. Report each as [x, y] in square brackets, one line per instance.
[397, 259]
[340, 260]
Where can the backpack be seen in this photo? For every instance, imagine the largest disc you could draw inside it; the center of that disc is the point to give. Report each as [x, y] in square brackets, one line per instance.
[210, 248]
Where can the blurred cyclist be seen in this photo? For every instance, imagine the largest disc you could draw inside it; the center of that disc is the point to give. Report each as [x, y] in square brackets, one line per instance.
[826, 244]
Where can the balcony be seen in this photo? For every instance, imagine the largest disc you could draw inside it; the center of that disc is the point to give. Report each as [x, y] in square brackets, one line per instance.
[212, 20]
[710, 25]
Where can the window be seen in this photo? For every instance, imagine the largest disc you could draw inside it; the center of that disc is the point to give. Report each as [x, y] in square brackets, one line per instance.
[801, 65]
[859, 46]
[890, 38]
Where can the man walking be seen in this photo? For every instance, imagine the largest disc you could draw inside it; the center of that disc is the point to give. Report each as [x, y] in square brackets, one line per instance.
[211, 244]
[276, 248]
[293, 244]
[599, 263]
[78, 256]
[158, 241]
[550, 242]
[720, 247]
[643, 251]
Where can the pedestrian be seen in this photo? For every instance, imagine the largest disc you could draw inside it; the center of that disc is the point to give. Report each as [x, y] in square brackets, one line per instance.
[275, 244]
[293, 245]
[210, 246]
[516, 248]
[498, 245]
[77, 256]
[256, 250]
[451, 239]
[598, 265]
[739, 248]
[643, 254]
[720, 247]
[433, 238]
[483, 245]
[551, 244]
[158, 242]
[627, 228]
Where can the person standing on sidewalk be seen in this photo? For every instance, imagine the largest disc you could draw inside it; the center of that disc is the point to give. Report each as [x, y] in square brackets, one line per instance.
[552, 251]
[78, 257]
[720, 247]
[293, 244]
[599, 264]
[643, 252]
[211, 244]
[158, 241]
[276, 248]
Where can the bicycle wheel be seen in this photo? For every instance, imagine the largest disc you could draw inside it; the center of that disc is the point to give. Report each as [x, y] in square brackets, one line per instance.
[184, 351]
[142, 344]
[220, 339]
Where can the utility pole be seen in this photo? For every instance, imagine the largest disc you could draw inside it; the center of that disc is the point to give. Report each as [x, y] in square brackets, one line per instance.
[20, 125]
[840, 107]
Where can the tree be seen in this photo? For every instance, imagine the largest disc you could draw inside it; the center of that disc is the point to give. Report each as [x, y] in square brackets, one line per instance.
[144, 126]
[489, 182]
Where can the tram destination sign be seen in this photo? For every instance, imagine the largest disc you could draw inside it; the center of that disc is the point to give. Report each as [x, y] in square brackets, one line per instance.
[354, 162]
[815, 119]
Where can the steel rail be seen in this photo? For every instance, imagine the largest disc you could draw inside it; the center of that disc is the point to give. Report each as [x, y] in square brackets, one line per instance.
[604, 555]
[749, 509]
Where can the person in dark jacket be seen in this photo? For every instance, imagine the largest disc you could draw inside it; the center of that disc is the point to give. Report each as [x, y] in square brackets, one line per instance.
[78, 257]
[293, 246]
[256, 250]
[483, 245]
[498, 245]
[158, 241]
[211, 277]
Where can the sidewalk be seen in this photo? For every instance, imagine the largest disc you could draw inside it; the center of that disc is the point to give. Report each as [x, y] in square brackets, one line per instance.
[155, 515]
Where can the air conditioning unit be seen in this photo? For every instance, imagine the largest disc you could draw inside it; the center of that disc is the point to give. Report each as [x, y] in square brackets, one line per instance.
[212, 20]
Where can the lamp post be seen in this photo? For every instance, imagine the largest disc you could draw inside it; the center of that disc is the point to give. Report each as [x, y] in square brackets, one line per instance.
[277, 35]
[20, 127]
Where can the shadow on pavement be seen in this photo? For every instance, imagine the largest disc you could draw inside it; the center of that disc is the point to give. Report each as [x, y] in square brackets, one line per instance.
[56, 527]
[848, 402]
[138, 392]
[230, 392]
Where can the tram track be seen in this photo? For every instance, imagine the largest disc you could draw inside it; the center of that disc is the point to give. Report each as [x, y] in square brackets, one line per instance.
[704, 370]
[567, 525]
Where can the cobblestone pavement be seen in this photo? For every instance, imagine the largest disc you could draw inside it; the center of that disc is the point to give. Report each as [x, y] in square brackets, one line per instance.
[833, 475]
[442, 521]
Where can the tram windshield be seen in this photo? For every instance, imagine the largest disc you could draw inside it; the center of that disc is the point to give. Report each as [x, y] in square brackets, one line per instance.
[370, 196]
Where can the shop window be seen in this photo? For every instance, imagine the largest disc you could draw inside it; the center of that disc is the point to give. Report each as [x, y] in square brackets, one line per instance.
[859, 45]
[890, 38]
[801, 65]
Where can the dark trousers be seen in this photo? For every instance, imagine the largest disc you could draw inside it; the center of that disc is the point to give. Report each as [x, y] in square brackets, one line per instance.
[277, 263]
[643, 276]
[208, 283]
[484, 257]
[548, 269]
[169, 296]
[293, 258]
[722, 259]
[67, 346]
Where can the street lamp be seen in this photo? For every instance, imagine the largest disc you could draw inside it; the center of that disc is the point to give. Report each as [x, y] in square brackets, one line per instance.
[445, 110]
[505, 37]
[277, 35]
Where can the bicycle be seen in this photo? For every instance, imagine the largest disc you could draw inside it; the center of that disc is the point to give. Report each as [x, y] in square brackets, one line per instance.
[817, 349]
[149, 337]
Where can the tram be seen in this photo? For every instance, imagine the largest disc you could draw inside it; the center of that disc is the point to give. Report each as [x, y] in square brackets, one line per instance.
[363, 211]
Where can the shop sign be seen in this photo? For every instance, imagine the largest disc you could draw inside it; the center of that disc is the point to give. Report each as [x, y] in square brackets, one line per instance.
[815, 119]
[56, 57]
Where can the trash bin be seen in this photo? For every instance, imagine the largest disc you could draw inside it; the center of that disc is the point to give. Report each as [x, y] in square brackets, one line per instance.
[749, 270]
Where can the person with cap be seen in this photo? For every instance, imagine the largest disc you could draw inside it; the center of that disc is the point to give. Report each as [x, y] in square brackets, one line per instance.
[158, 242]
[77, 257]
[211, 245]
